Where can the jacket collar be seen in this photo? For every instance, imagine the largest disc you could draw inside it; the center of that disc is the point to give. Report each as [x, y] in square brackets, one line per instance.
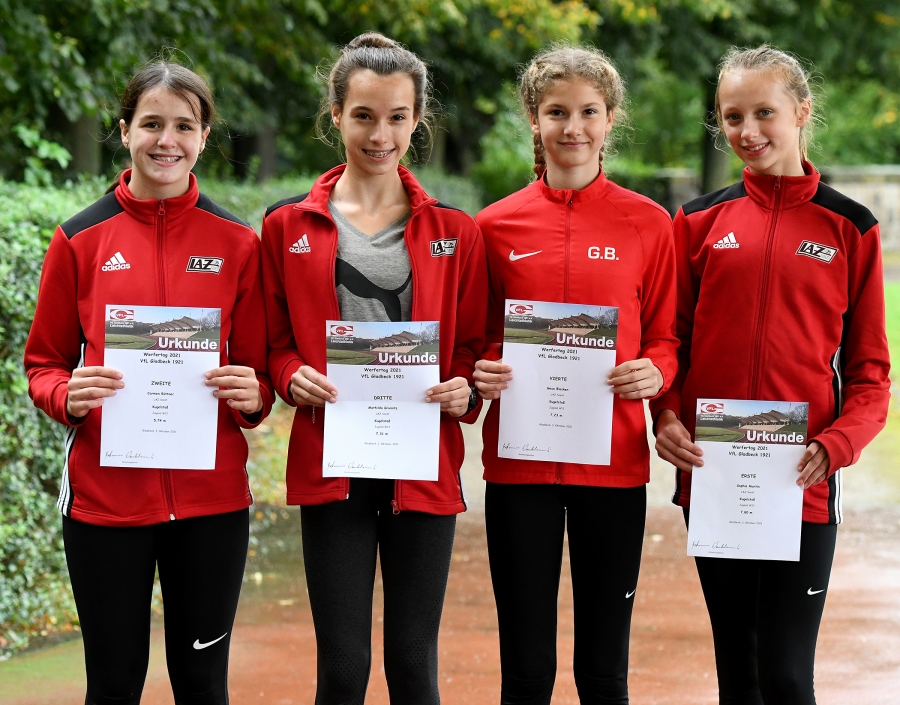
[317, 200]
[146, 210]
[794, 190]
[593, 190]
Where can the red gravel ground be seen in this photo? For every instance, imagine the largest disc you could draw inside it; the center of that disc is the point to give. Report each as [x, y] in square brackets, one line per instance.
[273, 650]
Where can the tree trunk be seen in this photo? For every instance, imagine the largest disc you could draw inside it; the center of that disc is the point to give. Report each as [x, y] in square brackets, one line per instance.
[716, 167]
[267, 151]
[86, 145]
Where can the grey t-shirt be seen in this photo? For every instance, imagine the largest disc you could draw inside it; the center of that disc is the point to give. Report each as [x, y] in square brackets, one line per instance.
[372, 273]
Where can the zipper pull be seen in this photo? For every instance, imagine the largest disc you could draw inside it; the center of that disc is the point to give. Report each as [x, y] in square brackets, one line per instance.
[313, 413]
[171, 517]
[777, 183]
[395, 506]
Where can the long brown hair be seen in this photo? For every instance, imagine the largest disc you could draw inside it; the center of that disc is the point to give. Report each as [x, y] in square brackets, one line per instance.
[176, 78]
[384, 56]
[564, 63]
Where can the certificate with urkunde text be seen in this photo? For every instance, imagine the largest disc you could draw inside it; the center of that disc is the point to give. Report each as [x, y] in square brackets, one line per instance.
[558, 406]
[165, 417]
[381, 426]
[745, 501]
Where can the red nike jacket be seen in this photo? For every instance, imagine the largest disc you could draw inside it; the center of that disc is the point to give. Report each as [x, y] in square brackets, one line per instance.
[781, 297]
[150, 243]
[600, 245]
[446, 254]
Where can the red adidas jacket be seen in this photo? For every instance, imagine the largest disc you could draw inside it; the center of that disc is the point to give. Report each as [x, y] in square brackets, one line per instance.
[600, 245]
[151, 243]
[781, 297]
[449, 285]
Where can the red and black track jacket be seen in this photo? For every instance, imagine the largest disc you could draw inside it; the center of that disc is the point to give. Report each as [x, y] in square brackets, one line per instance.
[151, 243]
[449, 285]
[781, 297]
[600, 245]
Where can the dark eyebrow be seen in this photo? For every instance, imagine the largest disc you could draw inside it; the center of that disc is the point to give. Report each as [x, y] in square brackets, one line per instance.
[160, 117]
[586, 105]
[393, 110]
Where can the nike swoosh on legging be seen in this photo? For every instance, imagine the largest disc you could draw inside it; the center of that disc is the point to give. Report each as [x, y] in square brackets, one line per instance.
[357, 284]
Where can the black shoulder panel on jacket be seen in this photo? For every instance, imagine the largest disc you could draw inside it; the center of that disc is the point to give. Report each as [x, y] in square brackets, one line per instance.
[836, 202]
[104, 209]
[286, 202]
[205, 203]
[729, 193]
[441, 204]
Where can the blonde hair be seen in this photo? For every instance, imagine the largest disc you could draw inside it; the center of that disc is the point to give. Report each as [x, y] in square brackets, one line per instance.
[565, 63]
[384, 56]
[788, 69]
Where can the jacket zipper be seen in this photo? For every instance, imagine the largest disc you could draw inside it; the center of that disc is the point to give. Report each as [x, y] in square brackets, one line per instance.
[161, 279]
[764, 295]
[569, 206]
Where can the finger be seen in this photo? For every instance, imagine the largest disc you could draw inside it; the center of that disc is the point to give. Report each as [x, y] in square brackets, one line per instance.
[95, 382]
[314, 391]
[633, 386]
[455, 384]
[316, 379]
[96, 371]
[628, 367]
[479, 376]
[89, 393]
[672, 458]
[492, 366]
[685, 453]
[490, 396]
[484, 387]
[234, 393]
[236, 370]
[448, 396]
[231, 381]
[454, 408]
[81, 408]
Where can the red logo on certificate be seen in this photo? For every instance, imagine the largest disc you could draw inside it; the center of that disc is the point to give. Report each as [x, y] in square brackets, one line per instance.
[338, 329]
[121, 314]
[712, 408]
[521, 309]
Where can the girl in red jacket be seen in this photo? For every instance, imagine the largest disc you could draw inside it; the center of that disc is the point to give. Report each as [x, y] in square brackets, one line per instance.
[793, 309]
[544, 243]
[135, 246]
[368, 244]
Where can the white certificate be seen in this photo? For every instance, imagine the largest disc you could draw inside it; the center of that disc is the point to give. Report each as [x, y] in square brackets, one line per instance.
[745, 501]
[381, 425]
[165, 417]
[558, 405]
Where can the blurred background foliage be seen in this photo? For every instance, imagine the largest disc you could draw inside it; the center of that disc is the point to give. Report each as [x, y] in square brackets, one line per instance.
[63, 65]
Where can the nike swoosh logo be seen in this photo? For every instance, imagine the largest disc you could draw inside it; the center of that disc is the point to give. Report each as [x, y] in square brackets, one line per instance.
[198, 645]
[629, 594]
[813, 592]
[513, 256]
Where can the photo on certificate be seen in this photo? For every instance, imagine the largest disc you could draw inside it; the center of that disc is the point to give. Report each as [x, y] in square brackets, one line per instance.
[558, 406]
[165, 417]
[381, 426]
[745, 501]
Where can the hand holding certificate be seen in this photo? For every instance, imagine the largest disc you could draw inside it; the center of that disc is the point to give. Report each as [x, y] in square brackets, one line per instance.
[380, 424]
[558, 406]
[165, 417]
[745, 501]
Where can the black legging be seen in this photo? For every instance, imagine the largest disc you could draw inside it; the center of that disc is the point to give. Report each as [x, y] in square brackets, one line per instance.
[765, 619]
[340, 543]
[525, 528]
[201, 566]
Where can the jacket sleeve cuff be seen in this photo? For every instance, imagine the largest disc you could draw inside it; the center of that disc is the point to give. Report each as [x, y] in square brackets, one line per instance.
[471, 416]
[493, 352]
[660, 403]
[248, 421]
[58, 411]
[284, 379]
[840, 453]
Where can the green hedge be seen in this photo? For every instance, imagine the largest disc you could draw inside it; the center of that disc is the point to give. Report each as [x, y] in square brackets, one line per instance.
[34, 591]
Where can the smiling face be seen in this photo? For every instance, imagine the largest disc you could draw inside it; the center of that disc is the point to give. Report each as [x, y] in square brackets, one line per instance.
[376, 122]
[573, 122]
[165, 139]
[762, 122]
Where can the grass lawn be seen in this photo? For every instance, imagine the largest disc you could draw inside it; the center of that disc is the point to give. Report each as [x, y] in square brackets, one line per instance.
[426, 348]
[723, 435]
[523, 335]
[129, 342]
[892, 310]
[349, 357]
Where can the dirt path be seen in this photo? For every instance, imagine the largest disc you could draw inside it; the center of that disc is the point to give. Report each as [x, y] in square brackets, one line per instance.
[273, 651]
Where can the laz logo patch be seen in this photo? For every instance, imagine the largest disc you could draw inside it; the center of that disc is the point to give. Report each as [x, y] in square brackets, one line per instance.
[817, 251]
[441, 248]
[209, 265]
